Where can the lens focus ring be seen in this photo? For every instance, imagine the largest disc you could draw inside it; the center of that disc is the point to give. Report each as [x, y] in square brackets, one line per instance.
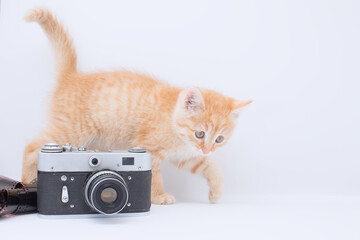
[106, 192]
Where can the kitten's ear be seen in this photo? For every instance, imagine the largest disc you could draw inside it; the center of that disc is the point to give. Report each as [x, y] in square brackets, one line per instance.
[237, 107]
[193, 101]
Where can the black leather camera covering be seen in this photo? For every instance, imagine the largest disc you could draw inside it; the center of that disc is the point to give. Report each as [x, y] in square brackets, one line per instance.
[50, 190]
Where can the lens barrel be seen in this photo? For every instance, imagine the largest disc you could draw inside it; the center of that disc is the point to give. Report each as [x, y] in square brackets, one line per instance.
[16, 197]
[106, 192]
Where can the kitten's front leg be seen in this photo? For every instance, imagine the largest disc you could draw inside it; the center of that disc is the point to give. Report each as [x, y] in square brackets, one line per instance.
[208, 169]
[158, 196]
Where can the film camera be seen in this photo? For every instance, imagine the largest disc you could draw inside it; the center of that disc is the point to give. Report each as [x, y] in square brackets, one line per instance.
[76, 181]
[73, 180]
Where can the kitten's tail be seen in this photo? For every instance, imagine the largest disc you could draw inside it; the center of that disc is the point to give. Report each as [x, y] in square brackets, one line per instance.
[65, 56]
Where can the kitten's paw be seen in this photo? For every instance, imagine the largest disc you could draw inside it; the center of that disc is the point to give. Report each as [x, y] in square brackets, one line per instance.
[164, 198]
[214, 197]
[216, 190]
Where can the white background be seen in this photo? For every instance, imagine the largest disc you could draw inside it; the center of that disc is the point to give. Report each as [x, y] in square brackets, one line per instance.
[291, 169]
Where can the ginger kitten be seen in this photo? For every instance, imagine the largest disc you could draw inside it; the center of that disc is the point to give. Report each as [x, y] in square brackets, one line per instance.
[113, 110]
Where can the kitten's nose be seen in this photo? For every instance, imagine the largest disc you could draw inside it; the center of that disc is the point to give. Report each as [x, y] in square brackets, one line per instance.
[205, 150]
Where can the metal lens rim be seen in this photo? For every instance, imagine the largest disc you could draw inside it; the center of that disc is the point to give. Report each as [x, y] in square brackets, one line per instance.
[92, 194]
[92, 178]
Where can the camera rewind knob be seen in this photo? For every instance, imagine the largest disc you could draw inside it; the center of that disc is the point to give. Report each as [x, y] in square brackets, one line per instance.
[51, 147]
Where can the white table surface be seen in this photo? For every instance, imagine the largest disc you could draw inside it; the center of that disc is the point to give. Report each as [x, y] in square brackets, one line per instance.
[241, 218]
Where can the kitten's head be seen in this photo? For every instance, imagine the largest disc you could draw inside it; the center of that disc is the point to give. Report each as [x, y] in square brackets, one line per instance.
[205, 119]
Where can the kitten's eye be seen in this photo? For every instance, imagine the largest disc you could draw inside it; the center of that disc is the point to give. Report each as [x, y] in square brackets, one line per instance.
[219, 139]
[200, 134]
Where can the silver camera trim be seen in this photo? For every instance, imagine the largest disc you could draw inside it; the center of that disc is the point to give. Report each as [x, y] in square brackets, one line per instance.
[78, 161]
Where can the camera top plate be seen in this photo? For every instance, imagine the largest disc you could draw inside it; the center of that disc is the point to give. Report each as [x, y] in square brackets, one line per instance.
[54, 158]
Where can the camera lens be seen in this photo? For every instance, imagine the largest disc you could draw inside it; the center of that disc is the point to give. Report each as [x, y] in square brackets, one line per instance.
[106, 192]
[108, 195]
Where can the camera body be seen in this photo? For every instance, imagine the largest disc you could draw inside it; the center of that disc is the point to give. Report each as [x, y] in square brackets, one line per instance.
[77, 181]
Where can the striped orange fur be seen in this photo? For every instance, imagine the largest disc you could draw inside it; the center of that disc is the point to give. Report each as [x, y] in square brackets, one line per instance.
[112, 110]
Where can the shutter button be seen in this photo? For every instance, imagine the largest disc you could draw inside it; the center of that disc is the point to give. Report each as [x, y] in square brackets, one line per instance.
[81, 149]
